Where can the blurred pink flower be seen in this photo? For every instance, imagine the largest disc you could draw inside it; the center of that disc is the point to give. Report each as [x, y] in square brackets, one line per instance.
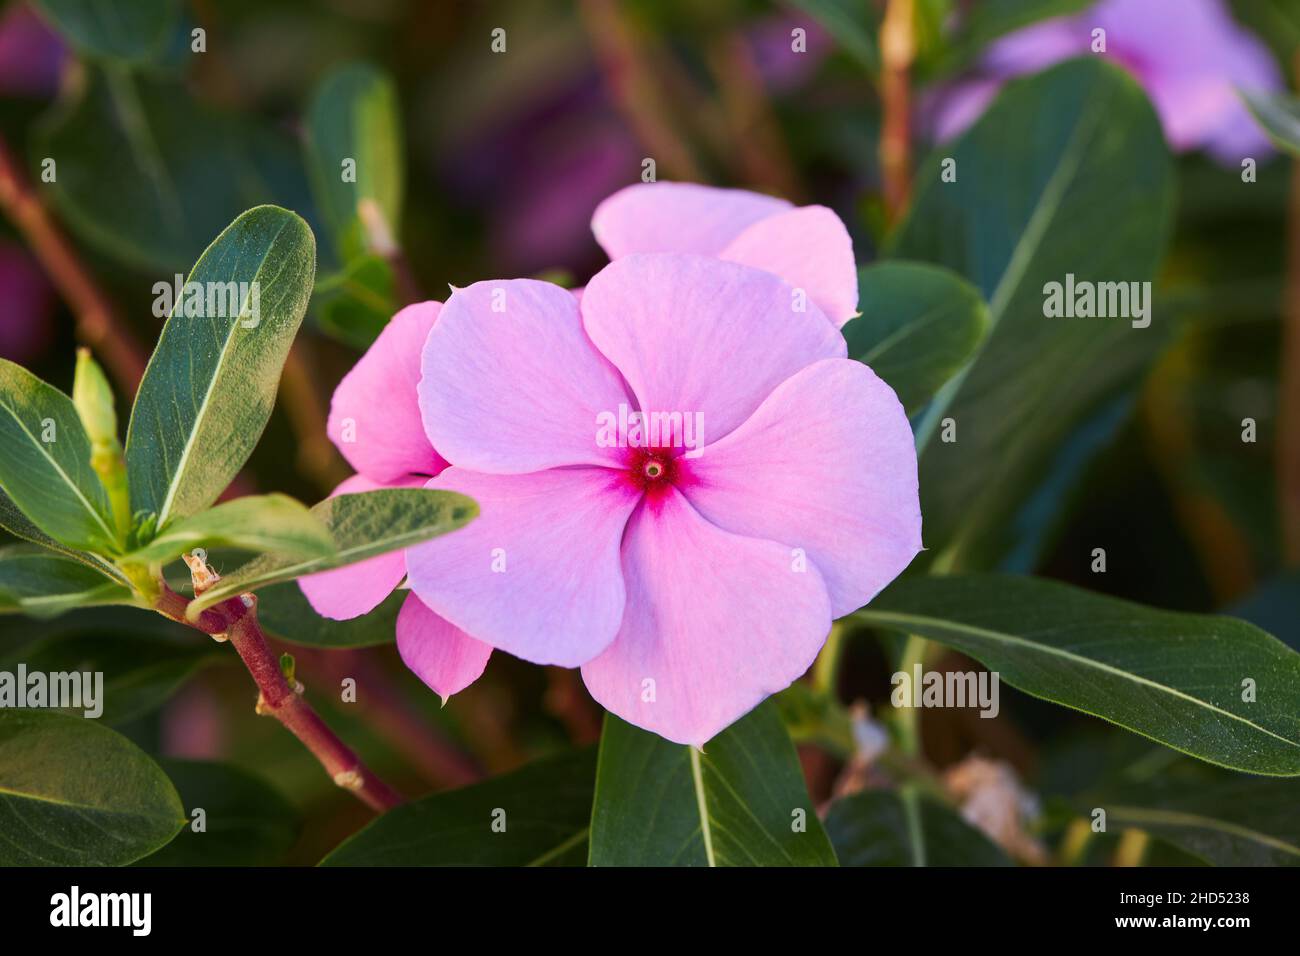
[31, 54]
[1189, 55]
[25, 325]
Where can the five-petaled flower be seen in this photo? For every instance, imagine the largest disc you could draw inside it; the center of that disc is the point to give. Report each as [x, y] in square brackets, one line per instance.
[687, 589]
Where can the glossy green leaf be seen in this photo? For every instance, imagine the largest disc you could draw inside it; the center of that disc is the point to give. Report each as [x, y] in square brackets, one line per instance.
[275, 523]
[743, 802]
[535, 816]
[284, 612]
[355, 154]
[1092, 199]
[246, 822]
[132, 31]
[905, 828]
[45, 469]
[1176, 678]
[1279, 116]
[147, 175]
[142, 666]
[75, 793]
[919, 325]
[1223, 819]
[42, 583]
[363, 525]
[210, 385]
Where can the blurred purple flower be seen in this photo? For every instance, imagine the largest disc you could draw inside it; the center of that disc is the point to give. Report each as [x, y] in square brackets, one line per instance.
[25, 328]
[31, 54]
[781, 68]
[1189, 55]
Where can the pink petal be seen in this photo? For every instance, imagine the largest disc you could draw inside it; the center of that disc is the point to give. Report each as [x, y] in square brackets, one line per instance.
[511, 382]
[537, 573]
[374, 416]
[826, 464]
[440, 654]
[701, 336]
[808, 248]
[357, 589]
[677, 217]
[716, 621]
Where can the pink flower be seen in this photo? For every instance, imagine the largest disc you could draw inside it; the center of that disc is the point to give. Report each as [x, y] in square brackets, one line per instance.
[689, 581]
[1189, 56]
[807, 246]
[375, 422]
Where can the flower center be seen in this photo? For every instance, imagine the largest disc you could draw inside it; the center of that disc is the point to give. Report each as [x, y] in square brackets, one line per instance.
[653, 470]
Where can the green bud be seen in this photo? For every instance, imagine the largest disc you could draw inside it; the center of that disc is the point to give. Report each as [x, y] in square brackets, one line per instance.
[93, 399]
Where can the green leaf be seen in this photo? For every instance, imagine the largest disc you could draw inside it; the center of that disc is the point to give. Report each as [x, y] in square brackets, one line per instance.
[147, 175]
[355, 304]
[354, 119]
[142, 666]
[132, 31]
[1092, 199]
[919, 325]
[20, 526]
[852, 27]
[75, 793]
[42, 583]
[1279, 116]
[284, 612]
[363, 525]
[45, 469]
[246, 820]
[535, 816]
[743, 802]
[905, 828]
[1225, 820]
[275, 523]
[1176, 678]
[209, 387]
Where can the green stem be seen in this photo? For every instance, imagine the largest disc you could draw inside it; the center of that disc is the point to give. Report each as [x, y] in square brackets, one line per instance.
[909, 717]
[826, 670]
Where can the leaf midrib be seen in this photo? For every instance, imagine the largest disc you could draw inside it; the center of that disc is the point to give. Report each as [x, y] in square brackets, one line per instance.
[1182, 818]
[178, 473]
[702, 806]
[76, 489]
[909, 621]
[234, 584]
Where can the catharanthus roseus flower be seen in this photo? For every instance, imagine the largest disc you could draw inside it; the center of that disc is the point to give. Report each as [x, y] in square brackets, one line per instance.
[1189, 55]
[687, 588]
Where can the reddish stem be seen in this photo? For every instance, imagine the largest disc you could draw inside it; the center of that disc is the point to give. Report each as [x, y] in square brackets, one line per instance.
[236, 619]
